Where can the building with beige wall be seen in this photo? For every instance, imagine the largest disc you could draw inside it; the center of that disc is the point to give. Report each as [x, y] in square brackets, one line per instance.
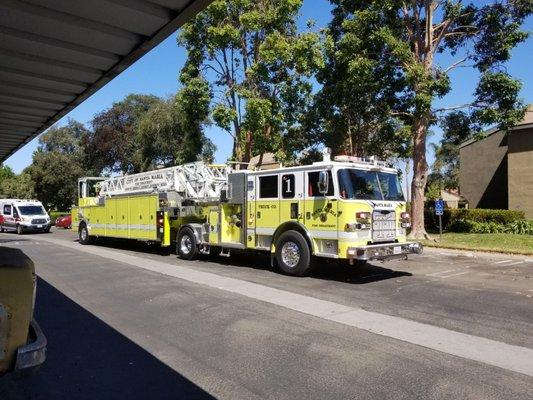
[497, 171]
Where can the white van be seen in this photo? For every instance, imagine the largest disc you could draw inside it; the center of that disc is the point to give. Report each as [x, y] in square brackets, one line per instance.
[23, 215]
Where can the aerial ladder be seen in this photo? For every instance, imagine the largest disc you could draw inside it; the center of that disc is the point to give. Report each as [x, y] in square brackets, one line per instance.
[194, 181]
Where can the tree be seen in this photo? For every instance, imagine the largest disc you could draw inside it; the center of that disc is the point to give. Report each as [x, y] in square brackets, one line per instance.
[112, 145]
[257, 67]
[391, 49]
[16, 186]
[170, 132]
[57, 164]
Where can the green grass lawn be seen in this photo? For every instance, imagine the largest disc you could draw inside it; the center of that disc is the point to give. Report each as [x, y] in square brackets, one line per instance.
[500, 242]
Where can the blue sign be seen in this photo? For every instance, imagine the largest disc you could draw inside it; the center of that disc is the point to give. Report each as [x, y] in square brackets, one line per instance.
[439, 207]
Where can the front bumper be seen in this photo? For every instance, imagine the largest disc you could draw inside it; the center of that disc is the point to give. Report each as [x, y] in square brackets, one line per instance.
[32, 355]
[34, 227]
[385, 251]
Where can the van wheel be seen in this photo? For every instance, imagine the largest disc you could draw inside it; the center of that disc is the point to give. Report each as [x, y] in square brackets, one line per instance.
[292, 254]
[83, 234]
[186, 245]
[20, 231]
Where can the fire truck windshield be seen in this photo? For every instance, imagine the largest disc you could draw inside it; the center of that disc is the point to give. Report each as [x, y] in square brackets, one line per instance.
[369, 185]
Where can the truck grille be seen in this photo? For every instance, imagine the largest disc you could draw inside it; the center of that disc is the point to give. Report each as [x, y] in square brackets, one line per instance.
[383, 226]
[38, 221]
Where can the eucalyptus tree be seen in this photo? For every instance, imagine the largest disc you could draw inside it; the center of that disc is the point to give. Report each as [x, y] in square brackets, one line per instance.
[392, 58]
[257, 67]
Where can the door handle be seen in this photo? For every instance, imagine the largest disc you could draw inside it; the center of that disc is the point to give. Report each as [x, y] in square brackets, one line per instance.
[259, 214]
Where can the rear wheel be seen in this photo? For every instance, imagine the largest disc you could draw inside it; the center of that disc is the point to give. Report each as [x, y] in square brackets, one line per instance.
[83, 234]
[186, 245]
[292, 254]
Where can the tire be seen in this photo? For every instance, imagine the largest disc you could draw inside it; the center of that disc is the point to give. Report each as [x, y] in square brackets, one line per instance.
[360, 263]
[83, 234]
[20, 231]
[47, 229]
[186, 245]
[293, 254]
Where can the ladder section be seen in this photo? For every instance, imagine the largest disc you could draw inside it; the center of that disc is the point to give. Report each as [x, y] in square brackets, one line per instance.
[193, 181]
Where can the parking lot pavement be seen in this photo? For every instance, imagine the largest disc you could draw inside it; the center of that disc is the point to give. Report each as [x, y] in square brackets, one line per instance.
[119, 327]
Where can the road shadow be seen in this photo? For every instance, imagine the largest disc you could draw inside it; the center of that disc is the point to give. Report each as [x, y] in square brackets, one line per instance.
[10, 240]
[88, 359]
[132, 245]
[324, 269]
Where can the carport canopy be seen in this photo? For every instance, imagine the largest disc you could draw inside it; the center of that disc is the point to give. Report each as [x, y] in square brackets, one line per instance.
[54, 54]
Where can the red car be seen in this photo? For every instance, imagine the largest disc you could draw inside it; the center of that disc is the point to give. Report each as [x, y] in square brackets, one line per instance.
[65, 221]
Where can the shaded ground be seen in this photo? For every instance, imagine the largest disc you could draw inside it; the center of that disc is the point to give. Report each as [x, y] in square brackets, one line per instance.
[87, 359]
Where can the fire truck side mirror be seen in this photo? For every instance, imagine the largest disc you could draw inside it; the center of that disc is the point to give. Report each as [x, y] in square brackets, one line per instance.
[323, 182]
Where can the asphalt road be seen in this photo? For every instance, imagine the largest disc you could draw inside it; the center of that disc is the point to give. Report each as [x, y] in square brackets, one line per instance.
[129, 321]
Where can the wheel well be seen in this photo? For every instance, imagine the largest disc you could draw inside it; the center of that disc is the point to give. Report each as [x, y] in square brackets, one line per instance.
[292, 226]
[190, 227]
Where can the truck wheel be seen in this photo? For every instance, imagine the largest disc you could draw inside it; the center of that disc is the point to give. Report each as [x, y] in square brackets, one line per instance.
[83, 234]
[20, 231]
[293, 254]
[186, 245]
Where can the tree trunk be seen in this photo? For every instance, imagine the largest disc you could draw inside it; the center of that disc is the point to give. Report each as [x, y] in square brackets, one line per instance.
[418, 186]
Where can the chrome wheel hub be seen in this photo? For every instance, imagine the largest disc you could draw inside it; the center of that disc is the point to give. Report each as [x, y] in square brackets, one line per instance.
[83, 233]
[185, 244]
[290, 254]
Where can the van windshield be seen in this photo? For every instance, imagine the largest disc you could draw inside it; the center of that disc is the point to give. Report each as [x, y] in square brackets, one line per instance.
[369, 185]
[32, 210]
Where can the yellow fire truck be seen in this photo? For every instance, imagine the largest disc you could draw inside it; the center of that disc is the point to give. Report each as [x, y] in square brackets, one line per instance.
[347, 208]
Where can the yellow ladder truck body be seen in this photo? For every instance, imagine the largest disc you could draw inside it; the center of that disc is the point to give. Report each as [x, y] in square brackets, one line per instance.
[347, 209]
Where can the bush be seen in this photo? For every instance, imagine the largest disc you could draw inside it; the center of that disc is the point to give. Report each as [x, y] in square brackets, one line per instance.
[521, 227]
[452, 216]
[56, 214]
[503, 217]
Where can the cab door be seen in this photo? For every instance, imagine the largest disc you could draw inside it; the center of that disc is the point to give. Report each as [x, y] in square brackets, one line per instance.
[321, 211]
[292, 197]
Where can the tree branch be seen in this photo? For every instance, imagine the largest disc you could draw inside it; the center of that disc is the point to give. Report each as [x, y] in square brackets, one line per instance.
[438, 110]
[455, 64]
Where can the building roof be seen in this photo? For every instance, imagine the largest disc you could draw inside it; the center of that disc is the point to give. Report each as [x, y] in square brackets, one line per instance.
[54, 54]
[526, 123]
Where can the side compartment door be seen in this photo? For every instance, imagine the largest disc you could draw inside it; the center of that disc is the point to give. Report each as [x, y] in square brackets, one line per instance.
[292, 197]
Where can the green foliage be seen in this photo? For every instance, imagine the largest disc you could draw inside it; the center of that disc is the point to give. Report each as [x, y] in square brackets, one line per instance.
[166, 137]
[18, 186]
[468, 226]
[521, 227]
[6, 173]
[486, 215]
[433, 192]
[257, 66]
[382, 74]
[454, 218]
[55, 176]
[112, 144]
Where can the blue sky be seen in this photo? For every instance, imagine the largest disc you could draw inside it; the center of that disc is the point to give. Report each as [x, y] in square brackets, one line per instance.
[157, 73]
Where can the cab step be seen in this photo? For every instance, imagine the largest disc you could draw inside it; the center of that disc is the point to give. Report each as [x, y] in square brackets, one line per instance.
[224, 252]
